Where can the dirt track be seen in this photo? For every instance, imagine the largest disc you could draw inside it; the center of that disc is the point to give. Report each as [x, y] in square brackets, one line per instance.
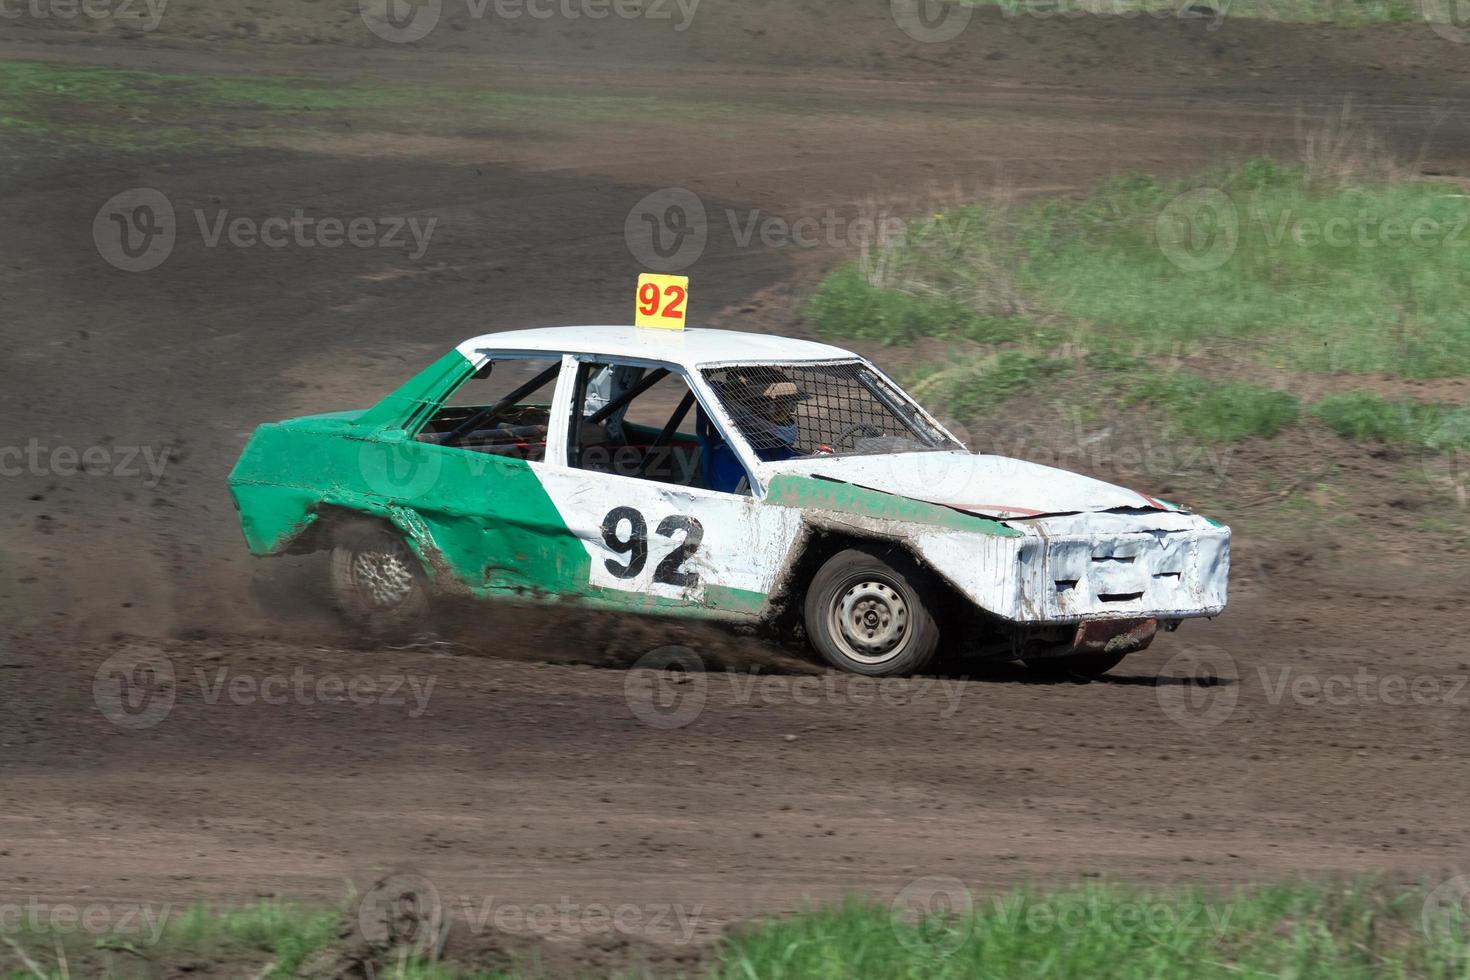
[527, 782]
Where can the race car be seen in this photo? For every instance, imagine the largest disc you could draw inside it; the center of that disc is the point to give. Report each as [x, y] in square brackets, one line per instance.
[738, 476]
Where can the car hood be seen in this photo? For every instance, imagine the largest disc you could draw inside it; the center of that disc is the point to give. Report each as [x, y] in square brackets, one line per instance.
[994, 486]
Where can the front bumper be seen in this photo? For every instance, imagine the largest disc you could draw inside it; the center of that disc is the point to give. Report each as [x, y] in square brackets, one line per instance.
[1082, 568]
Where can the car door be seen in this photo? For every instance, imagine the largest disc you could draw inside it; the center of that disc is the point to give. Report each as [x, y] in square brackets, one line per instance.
[654, 538]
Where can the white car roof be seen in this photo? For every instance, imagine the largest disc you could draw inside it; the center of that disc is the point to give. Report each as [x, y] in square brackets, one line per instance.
[694, 347]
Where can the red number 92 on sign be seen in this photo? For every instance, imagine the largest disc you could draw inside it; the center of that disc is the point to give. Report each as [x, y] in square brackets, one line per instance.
[662, 301]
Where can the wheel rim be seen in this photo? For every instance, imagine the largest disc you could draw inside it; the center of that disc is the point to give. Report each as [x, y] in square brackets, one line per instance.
[870, 621]
[384, 577]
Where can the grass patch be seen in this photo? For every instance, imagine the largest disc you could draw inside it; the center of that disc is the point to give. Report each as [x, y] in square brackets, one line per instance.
[67, 106]
[1365, 417]
[1300, 931]
[290, 933]
[1305, 931]
[1331, 265]
[969, 389]
[1202, 409]
[893, 316]
[1215, 411]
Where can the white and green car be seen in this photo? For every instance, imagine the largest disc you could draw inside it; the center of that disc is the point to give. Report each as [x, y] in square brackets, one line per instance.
[711, 473]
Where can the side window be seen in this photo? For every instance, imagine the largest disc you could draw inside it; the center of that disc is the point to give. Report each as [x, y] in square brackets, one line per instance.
[640, 422]
[503, 409]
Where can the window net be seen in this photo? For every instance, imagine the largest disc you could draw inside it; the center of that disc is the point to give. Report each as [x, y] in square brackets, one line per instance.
[787, 411]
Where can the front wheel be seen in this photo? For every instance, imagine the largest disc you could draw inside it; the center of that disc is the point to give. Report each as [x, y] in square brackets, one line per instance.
[865, 616]
[378, 583]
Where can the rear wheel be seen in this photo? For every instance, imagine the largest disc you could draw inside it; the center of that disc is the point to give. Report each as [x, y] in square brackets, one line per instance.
[864, 615]
[378, 583]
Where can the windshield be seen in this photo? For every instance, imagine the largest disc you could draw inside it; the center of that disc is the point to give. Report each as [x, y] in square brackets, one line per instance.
[795, 411]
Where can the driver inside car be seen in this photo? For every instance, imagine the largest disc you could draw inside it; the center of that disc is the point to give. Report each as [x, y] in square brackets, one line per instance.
[766, 414]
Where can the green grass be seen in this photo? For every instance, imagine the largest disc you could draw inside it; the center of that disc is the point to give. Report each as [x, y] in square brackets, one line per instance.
[971, 388]
[1317, 273]
[290, 933]
[1298, 931]
[1365, 417]
[1215, 411]
[64, 107]
[1332, 931]
[893, 316]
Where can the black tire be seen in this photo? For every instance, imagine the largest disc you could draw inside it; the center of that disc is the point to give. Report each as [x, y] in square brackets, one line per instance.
[1089, 665]
[378, 583]
[864, 615]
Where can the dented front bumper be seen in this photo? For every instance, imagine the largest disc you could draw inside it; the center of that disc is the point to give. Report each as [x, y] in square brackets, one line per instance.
[1076, 568]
